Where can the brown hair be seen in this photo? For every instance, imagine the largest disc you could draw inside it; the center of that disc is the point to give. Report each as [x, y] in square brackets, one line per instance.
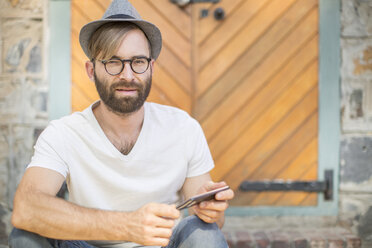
[106, 39]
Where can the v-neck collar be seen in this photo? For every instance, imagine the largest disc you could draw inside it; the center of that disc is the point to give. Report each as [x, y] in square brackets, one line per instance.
[111, 146]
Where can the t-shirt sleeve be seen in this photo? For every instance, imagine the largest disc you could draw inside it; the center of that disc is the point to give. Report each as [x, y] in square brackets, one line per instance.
[49, 151]
[200, 161]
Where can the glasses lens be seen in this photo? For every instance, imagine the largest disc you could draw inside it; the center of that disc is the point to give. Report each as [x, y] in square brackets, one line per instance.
[139, 65]
[114, 66]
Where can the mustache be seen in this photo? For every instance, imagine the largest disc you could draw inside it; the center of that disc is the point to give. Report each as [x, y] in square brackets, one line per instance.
[126, 84]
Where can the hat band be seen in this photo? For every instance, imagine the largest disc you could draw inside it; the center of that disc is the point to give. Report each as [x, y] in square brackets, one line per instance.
[120, 16]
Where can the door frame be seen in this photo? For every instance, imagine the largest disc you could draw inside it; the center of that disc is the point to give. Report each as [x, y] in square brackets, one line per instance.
[329, 98]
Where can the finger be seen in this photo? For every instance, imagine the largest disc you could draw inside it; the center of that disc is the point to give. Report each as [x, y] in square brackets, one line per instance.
[214, 205]
[225, 195]
[156, 241]
[210, 213]
[205, 218]
[160, 242]
[163, 232]
[164, 222]
[166, 211]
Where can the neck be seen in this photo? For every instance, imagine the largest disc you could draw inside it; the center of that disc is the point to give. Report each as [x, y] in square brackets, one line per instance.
[117, 123]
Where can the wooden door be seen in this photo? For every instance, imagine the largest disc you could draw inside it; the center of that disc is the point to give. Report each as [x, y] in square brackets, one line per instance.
[251, 79]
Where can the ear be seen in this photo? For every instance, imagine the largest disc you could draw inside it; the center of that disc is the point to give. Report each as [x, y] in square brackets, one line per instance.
[152, 63]
[89, 67]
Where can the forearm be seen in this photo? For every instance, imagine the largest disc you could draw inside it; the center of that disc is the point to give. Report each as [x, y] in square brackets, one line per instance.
[56, 218]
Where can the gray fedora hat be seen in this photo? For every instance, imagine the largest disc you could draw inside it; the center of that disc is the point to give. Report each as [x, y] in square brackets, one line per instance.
[122, 11]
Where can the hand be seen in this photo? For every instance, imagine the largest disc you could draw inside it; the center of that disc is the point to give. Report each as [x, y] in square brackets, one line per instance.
[152, 224]
[213, 210]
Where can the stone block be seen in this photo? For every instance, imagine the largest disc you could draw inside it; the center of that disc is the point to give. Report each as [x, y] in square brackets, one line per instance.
[356, 160]
[356, 18]
[353, 207]
[23, 101]
[336, 243]
[3, 178]
[19, 144]
[317, 243]
[356, 105]
[356, 58]
[229, 239]
[352, 241]
[261, 239]
[22, 8]
[365, 225]
[22, 42]
[5, 226]
[300, 243]
[244, 240]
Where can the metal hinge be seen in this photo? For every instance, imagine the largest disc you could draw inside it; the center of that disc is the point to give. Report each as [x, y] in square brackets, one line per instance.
[325, 186]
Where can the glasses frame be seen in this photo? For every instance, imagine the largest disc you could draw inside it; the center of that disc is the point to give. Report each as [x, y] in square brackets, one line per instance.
[104, 62]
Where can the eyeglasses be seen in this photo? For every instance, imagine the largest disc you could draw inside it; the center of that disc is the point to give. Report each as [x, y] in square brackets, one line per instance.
[115, 66]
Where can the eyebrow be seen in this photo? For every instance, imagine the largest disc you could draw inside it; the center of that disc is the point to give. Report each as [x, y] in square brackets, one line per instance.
[134, 57]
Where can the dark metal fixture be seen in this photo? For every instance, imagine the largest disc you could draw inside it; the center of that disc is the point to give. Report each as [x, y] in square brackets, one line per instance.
[219, 14]
[325, 186]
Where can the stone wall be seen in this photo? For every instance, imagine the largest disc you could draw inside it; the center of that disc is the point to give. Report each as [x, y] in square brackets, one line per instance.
[356, 110]
[23, 93]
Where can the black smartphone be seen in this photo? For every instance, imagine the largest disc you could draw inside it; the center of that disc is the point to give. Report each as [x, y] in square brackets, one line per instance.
[199, 198]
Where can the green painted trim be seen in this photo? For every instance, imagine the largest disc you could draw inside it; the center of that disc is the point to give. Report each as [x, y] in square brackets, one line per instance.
[329, 116]
[59, 59]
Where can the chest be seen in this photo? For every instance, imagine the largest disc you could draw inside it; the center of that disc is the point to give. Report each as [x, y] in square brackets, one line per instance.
[124, 142]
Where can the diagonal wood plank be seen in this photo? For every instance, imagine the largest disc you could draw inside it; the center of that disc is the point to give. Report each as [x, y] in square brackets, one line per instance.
[306, 132]
[249, 138]
[228, 29]
[217, 66]
[81, 81]
[252, 58]
[289, 149]
[207, 26]
[295, 171]
[175, 68]
[176, 94]
[264, 98]
[90, 10]
[158, 96]
[237, 99]
[79, 100]
[175, 16]
[302, 164]
[259, 156]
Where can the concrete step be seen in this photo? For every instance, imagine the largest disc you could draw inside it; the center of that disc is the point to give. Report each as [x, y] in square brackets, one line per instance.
[291, 238]
[288, 232]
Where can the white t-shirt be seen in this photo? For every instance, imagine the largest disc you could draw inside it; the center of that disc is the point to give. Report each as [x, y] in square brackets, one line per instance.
[170, 147]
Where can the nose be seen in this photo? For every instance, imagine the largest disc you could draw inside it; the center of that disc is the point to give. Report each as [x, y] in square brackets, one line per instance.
[127, 73]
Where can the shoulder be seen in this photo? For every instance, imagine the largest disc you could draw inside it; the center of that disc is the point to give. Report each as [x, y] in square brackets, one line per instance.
[169, 114]
[72, 121]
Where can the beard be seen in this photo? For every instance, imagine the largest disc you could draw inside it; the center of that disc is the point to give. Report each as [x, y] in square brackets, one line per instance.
[123, 105]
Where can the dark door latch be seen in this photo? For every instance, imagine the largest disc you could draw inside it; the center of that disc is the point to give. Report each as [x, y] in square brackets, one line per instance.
[325, 186]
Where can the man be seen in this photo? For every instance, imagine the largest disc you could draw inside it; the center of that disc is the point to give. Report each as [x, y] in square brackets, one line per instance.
[126, 162]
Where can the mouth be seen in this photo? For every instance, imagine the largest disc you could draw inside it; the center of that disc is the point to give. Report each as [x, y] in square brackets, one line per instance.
[126, 91]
